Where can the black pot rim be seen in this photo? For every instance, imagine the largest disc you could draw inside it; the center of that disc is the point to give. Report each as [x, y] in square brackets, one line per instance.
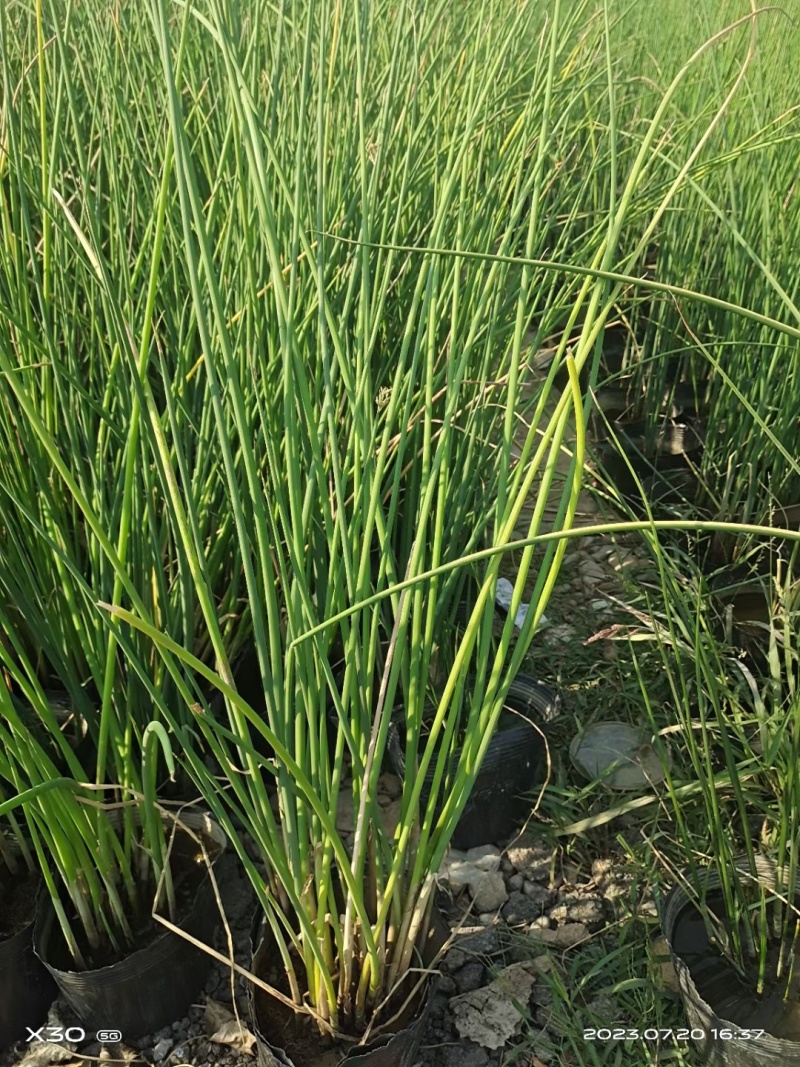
[776, 1051]
[45, 914]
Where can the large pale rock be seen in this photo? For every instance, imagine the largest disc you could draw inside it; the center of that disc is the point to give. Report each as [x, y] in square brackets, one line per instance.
[489, 1016]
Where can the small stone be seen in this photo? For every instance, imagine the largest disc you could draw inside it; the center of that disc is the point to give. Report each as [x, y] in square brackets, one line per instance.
[504, 592]
[600, 605]
[542, 923]
[486, 884]
[587, 910]
[438, 1008]
[600, 550]
[591, 572]
[471, 942]
[489, 892]
[470, 976]
[538, 894]
[162, 1050]
[530, 856]
[484, 857]
[542, 964]
[478, 942]
[345, 810]
[457, 871]
[562, 635]
[447, 987]
[601, 869]
[522, 909]
[615, 890]
[452, 961]
[492, 1014]
[562, 937]
[623, 559]
[391, 815]
[542, 996]
[516, 882]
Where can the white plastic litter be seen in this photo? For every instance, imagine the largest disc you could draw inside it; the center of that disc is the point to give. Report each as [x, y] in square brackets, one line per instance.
[502, 597]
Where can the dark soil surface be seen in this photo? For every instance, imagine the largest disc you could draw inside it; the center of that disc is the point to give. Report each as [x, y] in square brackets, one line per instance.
[17, 901]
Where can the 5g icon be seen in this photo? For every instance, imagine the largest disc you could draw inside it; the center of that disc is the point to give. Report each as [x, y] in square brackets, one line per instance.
[109, 1036]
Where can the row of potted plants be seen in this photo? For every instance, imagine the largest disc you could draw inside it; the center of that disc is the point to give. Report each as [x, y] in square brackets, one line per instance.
[328, 496]
[305, 444]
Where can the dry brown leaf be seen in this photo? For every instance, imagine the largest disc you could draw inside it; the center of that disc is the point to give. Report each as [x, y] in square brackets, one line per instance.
[120, 1056]
[223, 1029]
[47, 1054]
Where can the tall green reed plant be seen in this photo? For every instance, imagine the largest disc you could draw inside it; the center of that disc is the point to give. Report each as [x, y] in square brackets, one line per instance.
[345, 371]
[385, 377]
[732, 233]
[81, 493]
[747, 729]
[102, 880]
[66, 319]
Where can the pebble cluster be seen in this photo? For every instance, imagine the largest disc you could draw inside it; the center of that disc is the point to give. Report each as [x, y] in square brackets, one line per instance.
[525, 906]
[510, 911]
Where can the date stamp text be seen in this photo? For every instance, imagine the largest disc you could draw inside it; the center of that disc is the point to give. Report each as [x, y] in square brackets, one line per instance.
[656, 1033]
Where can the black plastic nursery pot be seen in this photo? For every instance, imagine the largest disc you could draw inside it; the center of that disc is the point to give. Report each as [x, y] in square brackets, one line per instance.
[727, 1021]
[284, 1039]
[152, 986]
[26, 988]
[500, 799]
